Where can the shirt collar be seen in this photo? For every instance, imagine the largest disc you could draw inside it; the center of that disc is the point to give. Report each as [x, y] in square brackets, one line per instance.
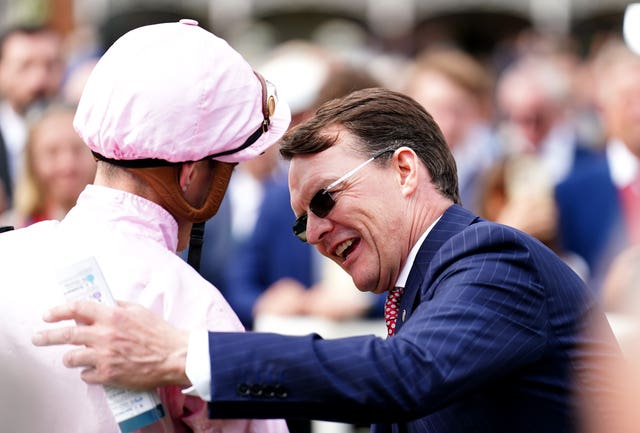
[622, 163]
[404, 273]
[125, 213]
[557, 152]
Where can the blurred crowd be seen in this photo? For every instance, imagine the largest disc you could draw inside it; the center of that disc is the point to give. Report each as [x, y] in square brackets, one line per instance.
[546, 139]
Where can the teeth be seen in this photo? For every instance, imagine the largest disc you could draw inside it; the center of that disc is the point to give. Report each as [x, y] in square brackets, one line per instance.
[343, 247]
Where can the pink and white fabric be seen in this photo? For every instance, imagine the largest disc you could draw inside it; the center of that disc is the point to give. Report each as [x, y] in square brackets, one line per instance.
[134, 242]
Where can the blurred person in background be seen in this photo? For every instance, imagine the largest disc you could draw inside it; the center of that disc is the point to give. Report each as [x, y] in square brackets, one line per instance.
[534, 102]
[620, 294]
[274, 273]
[297, 69]
[624, 375]
[300, 69]
[75, 80]
[267, 254]
[599, 207]
[58, 166]
[457, 90]
[232, 227]
[542, 148]
[4, 199]
[621, 300]
[621, 286]
[31, 72]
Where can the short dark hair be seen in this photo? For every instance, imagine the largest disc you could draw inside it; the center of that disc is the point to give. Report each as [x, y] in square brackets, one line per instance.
[379, 119]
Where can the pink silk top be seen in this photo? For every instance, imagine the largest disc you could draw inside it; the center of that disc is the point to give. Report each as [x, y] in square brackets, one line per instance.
[134, 242]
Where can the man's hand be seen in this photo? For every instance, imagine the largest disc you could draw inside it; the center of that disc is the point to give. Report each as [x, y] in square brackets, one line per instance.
[285, 297]
[126, 346]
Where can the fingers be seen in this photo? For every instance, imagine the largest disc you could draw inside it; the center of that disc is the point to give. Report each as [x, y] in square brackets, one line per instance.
[90, 375]
[119, 342]
[85, 312]
[77, 335]
[80, 358]
[87, 358]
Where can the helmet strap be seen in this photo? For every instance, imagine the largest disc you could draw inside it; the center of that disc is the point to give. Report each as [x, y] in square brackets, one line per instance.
[165, 182]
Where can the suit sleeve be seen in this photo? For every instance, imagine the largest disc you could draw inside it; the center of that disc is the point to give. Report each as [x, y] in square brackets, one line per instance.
[481, 315]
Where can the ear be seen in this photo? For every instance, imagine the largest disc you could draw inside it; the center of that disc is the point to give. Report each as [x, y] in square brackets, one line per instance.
[186, 175]
[406, 164]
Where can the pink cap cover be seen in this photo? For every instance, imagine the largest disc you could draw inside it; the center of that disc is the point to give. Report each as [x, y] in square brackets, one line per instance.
[175, 92]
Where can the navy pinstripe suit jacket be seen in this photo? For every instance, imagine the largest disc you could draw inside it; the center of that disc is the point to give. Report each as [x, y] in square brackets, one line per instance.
[493, 341]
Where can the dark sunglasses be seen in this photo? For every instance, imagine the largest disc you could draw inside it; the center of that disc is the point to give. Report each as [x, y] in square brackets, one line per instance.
[322, 201]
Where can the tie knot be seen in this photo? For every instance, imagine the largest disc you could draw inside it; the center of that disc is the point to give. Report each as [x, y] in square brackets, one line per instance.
[391, 308]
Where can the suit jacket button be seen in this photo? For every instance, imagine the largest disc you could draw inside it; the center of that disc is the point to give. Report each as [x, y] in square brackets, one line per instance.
[281, 391]
[269, 391]
[243, 389]
[256, 390]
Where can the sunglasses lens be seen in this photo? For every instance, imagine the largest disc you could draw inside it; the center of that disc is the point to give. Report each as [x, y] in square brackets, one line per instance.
[300, 228]
[322, 203]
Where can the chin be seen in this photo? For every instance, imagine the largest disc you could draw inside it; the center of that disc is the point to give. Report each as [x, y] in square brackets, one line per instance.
[366, 285]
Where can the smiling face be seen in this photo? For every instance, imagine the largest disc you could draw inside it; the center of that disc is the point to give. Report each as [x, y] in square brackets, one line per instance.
[394, 176]
[363, 232]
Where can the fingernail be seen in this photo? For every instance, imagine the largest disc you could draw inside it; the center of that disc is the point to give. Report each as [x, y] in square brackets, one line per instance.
[46, 316]
[37, 339]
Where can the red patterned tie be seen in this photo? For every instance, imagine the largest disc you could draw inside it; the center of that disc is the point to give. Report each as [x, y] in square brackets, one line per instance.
[391, 308]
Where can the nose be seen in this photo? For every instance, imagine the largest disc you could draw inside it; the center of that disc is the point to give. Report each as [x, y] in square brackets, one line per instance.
[317, 228]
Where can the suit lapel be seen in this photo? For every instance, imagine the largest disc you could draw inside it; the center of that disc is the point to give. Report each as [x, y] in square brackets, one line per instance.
[454, 220]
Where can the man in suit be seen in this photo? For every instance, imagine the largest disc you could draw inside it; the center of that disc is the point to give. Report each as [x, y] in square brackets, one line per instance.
[31, 71]
[599, 207]
[456, 89]
[493, 332]
[543, 145]
[267, 257]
